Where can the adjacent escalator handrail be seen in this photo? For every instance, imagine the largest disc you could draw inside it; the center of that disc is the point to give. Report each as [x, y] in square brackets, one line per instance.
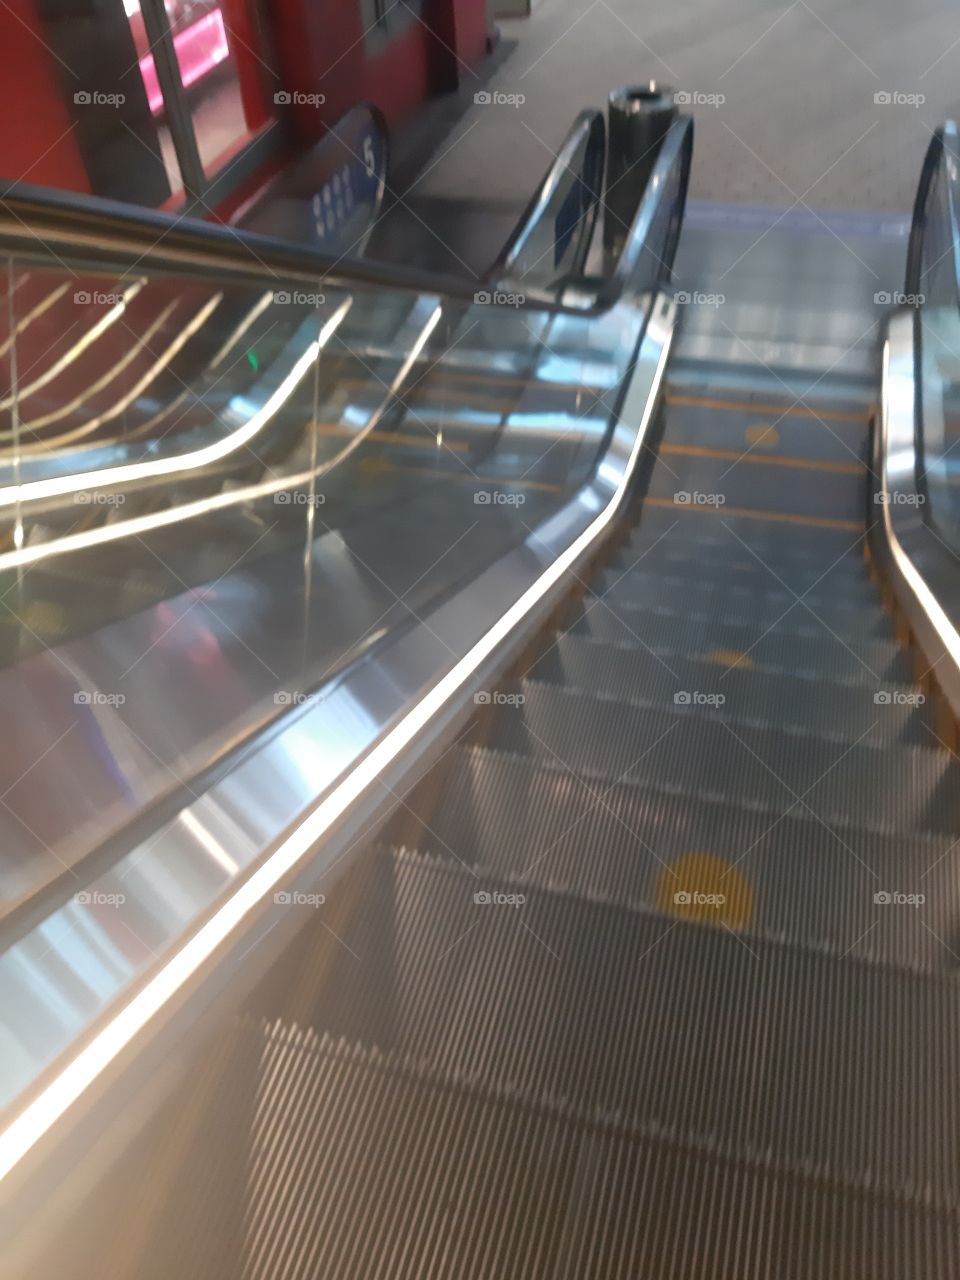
[914, 557]
[942, 154]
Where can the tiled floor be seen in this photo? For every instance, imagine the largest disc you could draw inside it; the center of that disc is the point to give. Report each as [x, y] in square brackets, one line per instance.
[798, 123]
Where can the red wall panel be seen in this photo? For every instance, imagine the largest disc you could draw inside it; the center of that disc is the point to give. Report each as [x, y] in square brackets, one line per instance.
[36, 144]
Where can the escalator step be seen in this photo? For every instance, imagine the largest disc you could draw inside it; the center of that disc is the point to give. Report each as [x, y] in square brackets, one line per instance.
[765, 428]
[803, 492]
[829, 602]
[787, 877]
[902, 788]
[774, 608]
[844, 713]
[739, 567]
[687, 522]
[718, 543]
[415, 1176]
[811, 652]
[837, 1065]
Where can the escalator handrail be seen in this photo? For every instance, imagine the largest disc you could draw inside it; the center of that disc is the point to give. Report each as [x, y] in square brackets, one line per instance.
[63, 226]
[915, 559]
[589, 125]
[944, 144]
[676, 149]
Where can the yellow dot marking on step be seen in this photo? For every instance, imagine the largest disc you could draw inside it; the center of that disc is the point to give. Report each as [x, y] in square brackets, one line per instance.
[730, 658]
[705, 888]
[762, 436]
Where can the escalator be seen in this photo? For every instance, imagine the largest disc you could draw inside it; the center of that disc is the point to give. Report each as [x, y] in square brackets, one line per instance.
[595, 913]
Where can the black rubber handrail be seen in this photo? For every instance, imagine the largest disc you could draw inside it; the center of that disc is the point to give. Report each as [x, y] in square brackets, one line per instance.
[63, 228]
[942, 159]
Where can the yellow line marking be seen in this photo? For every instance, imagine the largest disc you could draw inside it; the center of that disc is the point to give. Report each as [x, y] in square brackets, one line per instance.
[823, 522]
[762, 437]
[793, 411]
[737, 455]
[729, 658]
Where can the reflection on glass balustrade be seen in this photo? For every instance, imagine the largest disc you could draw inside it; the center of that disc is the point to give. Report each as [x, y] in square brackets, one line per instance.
[217, 495]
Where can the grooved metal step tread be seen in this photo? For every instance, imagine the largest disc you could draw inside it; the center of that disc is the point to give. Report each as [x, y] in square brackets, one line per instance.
[900, 788]
[737, 566]
[416, 1176]
[765, 609]
[835, 1065]
[801, 492]
[855, 713]
[812, 652]
[692, 523]
[694, 540]
[786, 877]
[830, 601]
[763, 428]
